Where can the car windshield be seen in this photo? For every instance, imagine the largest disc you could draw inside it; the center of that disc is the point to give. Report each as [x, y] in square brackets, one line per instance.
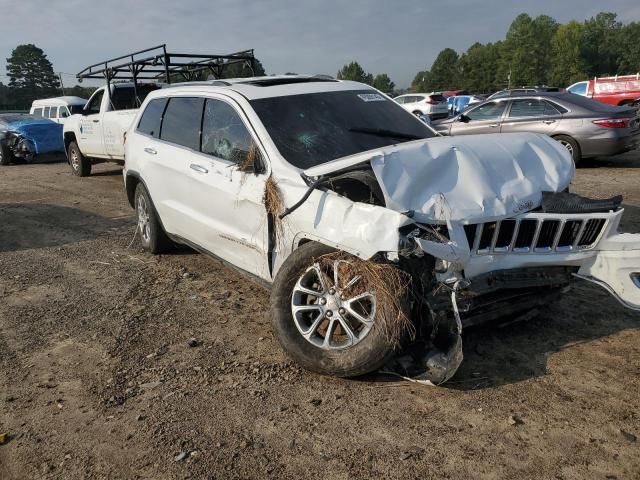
[314, 128]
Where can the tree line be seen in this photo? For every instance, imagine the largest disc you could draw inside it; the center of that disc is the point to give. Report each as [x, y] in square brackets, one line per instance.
[535, 51]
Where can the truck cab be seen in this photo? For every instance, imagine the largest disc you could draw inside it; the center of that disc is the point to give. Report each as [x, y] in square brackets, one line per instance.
[96, 135]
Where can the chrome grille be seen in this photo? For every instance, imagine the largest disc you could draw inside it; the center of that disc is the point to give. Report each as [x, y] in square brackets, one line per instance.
[534, 235]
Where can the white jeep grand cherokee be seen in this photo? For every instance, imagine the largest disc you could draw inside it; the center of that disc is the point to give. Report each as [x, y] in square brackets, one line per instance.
[368, 228]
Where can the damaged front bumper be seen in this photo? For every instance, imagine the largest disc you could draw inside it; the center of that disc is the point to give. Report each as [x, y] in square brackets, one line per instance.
[588, 243]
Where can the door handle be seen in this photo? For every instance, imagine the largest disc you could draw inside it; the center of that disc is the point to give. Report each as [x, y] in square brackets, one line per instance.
[198, 168]
[150, 150]
[548, 122]
[494, 125]
[95, 121]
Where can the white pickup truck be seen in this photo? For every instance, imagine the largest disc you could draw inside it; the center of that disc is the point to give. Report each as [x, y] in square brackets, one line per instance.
[97, 134]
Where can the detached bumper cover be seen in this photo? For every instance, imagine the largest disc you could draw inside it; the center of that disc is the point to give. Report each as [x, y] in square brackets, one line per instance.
[616, 267]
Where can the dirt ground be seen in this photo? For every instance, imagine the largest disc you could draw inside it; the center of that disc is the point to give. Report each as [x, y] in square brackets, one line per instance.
[98, 378]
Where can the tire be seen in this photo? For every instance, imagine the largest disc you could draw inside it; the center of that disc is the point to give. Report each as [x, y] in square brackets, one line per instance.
[571, 145]
[80, 165]
[418, 113]
[6, 157]
[369, 353]
[152, 236]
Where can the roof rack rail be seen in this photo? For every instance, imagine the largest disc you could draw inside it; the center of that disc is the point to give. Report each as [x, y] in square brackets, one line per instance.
[155, 63]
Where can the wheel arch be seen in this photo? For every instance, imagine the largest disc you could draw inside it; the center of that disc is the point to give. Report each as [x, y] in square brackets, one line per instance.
[68, 138]
[131, 181]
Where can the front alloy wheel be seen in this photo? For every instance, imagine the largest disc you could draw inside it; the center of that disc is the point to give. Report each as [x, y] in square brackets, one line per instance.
[325, 314]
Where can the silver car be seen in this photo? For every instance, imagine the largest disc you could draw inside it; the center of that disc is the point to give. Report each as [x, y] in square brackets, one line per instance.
[585, 127]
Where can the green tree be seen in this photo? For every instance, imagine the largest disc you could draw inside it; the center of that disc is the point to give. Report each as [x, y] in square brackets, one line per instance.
[478, 67]
[601, 44]
[241, 70]
[566, 64]
[383, 83]
[355, 72]
[79, 91]
[422, 82]
[445, 72]
[525, 55]
[31, 74]
[543, 29]
[629, 60]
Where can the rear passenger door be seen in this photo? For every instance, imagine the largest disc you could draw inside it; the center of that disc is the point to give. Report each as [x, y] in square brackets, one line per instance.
[172, 132]
[531, 115]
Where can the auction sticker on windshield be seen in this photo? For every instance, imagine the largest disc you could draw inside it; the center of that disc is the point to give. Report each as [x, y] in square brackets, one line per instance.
[371, 97]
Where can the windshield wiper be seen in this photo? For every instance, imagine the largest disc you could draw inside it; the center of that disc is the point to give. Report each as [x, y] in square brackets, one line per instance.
[381, 132]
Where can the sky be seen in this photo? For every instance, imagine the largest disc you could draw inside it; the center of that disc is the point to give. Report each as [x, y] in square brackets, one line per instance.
[399, 38]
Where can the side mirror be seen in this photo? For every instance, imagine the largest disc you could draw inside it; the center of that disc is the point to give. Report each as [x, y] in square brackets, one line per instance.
[252, 162]
[463, 118]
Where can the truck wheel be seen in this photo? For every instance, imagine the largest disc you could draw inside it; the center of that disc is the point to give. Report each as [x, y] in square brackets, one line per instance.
[80, 165]
[6, 157]
[571, 145]
[152, 236]
[320, 324]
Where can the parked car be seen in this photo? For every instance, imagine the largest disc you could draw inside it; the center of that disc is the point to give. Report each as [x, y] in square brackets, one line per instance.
[586, 128]
[365, 226]
[57, 109]
[25, 138]
[618, 90]
[432, 105]
[512, 92]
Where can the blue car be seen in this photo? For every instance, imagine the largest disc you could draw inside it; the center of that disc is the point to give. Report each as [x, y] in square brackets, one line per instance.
[25, 138]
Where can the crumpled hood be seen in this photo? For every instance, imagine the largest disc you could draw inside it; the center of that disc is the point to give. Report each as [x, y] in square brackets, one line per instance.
[470, 177]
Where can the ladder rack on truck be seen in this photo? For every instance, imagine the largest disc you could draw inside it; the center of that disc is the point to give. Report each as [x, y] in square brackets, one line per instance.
[155, 63]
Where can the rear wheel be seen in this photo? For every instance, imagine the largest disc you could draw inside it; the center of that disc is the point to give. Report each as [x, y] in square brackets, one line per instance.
[571, 145]
[80, 165]
[152, 236]
[321, 321]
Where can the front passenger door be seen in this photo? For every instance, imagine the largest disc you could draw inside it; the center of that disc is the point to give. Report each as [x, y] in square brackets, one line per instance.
[227, 194]
[485, 118]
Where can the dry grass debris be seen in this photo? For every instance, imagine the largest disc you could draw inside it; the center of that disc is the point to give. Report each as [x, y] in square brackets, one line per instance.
[274, 205]
[391, 285]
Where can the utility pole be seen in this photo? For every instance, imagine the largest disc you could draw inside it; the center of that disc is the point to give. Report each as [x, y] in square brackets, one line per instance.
[61, 85]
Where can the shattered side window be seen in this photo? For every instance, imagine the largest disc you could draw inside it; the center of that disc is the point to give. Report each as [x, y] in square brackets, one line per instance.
[314, 128]
[224, 134]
